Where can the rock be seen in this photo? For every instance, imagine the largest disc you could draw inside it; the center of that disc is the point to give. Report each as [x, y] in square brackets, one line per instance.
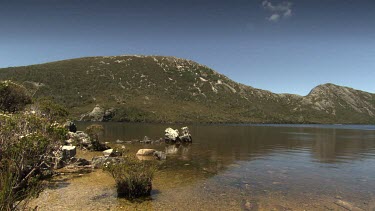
[71, 126]
[171, 135]
[79, 162]
[146, 152]
[160, 155]
[119, 141]
[98, 162]
[80, 138]
[111, 153]
[146, 140]
[97, 146]
[157, 141]
[68, 152]
[185, 135]
[128, 142]
[108, 152]
[108, 114]
[58, 163]
[69, 141]
[98, 114]
[142, 157]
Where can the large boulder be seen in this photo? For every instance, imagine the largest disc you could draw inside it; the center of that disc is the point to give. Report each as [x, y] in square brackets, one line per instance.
[171, 135]
[174, 136]
[98, 114]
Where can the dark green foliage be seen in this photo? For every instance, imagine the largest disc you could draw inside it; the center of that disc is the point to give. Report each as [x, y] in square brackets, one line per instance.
[51, 109]
[133, 177]
[13, 97]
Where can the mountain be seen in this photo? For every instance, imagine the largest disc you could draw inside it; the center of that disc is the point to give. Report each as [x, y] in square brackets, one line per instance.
[169, 89]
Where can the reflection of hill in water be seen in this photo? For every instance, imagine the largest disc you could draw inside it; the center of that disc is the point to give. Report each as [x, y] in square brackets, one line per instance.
[224, 145]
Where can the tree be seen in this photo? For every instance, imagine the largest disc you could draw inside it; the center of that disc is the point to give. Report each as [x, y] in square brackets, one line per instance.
[13, 97]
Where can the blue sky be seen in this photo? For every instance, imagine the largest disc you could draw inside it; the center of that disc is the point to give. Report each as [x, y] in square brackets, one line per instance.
[282, 46]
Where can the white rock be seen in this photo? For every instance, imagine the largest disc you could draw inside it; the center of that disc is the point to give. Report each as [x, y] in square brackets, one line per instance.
[146, 152]
[108, 152]
[68, 152]
[171, 134]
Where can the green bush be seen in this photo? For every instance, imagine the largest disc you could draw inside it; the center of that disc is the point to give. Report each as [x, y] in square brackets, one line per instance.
[52, 110]
[13, 97]
[27, 143]
[133, 177]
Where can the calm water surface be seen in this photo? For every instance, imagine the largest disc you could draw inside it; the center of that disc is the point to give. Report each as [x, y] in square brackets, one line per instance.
[237, 167]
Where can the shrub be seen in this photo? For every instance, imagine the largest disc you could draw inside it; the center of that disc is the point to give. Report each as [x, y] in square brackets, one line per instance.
[13, 97]
[52, 110]
[94, 131]
[133, 177]
[27, 143]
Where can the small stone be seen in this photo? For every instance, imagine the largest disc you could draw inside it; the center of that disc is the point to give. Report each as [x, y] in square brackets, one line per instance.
[108, 152]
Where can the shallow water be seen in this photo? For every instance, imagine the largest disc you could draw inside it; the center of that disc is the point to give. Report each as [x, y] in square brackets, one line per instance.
[236, 167]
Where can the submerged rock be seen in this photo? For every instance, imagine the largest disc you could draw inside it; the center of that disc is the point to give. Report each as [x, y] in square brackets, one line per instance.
[146, 152]
[146, 140]
[173, 136]
[100, 161]
[160, 155]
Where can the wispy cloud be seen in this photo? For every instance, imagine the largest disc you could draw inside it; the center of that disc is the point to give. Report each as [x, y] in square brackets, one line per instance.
[278, 11]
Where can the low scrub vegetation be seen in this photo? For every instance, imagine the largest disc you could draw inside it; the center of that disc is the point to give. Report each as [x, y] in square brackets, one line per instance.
[133, 177]
[28, 141]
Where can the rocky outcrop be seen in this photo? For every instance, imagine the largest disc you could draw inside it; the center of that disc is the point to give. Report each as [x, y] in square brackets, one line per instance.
[83, 140]
[98, 114]
[173, 136]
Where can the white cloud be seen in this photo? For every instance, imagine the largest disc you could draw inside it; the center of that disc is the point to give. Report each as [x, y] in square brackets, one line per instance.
[274, 17]
[283, 9]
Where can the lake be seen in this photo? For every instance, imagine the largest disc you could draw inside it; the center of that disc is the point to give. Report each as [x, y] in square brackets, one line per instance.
[237, 167]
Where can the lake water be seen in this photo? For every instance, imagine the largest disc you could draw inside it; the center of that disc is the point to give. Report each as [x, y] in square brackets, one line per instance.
[238, 167]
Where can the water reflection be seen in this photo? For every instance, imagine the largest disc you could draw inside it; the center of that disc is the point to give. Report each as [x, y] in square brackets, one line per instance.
[225, 167]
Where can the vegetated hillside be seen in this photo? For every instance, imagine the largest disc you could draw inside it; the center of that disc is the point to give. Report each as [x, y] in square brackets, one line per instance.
[169, 89]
